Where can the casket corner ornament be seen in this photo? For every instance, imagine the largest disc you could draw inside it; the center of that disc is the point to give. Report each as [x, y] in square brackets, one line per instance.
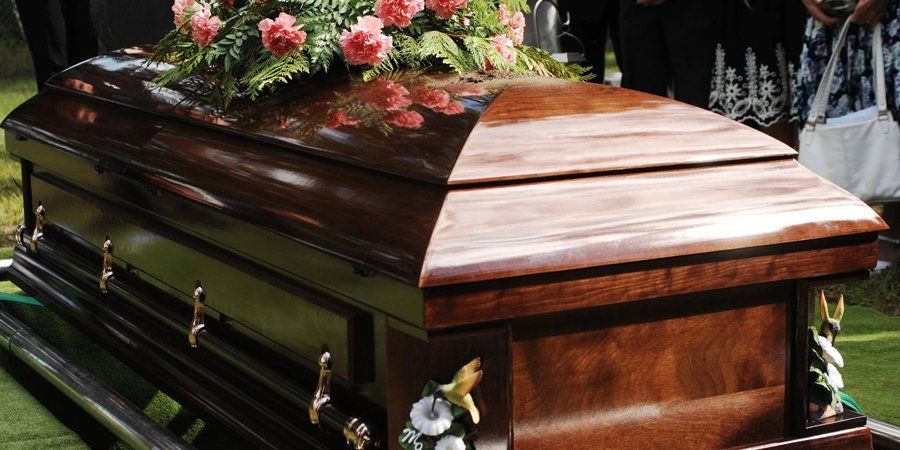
[445, 417]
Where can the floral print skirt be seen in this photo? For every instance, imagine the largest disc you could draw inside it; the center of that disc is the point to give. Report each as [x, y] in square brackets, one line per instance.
[853, 83]
[756, 56]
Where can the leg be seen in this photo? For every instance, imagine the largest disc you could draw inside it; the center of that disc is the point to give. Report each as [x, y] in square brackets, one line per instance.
[645, 60]
[81, 40]
[35, 23]
[691, 30]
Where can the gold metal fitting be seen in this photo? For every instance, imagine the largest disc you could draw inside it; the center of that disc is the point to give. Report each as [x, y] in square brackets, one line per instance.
[323, 390]
[199, 321]
[358, 435]
[106, 270]
[38, 226]
[19, 231]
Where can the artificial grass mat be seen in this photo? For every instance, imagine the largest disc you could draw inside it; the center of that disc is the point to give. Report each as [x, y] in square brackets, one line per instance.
[35, 415]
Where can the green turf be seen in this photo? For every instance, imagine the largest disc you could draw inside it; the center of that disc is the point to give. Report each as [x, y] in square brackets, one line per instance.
[12, 93]
[870, 345]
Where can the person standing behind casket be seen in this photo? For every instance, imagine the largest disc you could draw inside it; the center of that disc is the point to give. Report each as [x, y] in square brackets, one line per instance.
[593, 22]
[852, 88]
[669, 43]
[59, 34]
[755, 65]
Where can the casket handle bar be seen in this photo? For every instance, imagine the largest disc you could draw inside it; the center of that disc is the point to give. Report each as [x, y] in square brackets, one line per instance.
[38, 227]
[106, 269]
[323, 389]
[356, 431]
[198, 322]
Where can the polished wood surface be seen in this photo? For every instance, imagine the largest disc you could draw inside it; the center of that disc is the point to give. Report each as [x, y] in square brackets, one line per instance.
[709, 369]
[853, 439]
[427, 235]
[538, 128]
[524, 229]
[545, 128]
[123, 77]
[412, 362]
[453, 306]
[258, 303]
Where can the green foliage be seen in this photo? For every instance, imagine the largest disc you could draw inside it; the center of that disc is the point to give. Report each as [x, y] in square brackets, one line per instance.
[236, 61]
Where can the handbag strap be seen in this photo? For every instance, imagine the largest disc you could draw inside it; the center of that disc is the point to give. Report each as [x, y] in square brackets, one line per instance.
[878, 59]
[820, 101]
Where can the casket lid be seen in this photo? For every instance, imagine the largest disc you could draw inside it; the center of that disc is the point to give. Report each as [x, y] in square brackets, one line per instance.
[445, 129]
[532, 176]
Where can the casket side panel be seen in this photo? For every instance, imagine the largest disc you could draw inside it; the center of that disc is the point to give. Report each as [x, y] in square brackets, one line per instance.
[705, 371]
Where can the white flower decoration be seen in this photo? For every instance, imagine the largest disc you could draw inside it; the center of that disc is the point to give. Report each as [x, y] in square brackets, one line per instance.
[431, 417]
[450, 443]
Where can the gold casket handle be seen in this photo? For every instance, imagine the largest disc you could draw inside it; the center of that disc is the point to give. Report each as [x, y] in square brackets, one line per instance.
[198, 322]
[106, 270]
[38, 226]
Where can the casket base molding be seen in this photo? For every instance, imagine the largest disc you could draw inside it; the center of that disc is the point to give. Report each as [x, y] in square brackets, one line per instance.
[214, 379]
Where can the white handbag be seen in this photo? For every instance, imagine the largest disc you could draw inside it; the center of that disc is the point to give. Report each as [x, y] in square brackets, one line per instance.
[859, 152]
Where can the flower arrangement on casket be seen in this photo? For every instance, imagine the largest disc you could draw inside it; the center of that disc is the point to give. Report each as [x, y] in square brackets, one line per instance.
[254, 46]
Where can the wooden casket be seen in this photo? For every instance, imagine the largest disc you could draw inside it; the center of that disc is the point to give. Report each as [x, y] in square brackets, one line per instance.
[631, 271]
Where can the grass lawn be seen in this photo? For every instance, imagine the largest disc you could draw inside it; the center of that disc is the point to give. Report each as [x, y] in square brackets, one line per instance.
[870, 345]
[12, 93]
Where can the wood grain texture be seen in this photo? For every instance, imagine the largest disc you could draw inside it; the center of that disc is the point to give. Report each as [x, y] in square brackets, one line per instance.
[518, 230]
[452, 306]
[542, 128]
[412, 362]
[709, 369]
[853, 439]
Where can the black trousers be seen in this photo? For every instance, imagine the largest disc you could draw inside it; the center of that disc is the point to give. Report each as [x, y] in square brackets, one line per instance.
[59, 34]
[593, 22]
[672, 44]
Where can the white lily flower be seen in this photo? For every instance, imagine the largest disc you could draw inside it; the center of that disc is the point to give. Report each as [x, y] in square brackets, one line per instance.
[830, 353]
[450, 443]
[835, 378]
[431, 416]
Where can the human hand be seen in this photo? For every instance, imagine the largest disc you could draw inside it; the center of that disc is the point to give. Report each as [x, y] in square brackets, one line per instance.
[816, 12]
[869, 11]
[650, 2]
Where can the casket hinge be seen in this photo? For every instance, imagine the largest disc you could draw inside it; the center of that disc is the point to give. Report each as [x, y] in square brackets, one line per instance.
[198, 322]
[38, 226]
[323, 389]
[106, 270]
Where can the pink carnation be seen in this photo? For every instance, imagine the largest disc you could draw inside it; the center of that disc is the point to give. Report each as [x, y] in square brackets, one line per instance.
[405, 119]
[180, 8]
[385, 94]
[281, 36]
[504, 45]
[453, 108]
[204, 26]
[398, 12]
[515, 24]
[364, 43]
[339, 118]
[503, 14]
[446, 8]
[430, 98]
[516, 30]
